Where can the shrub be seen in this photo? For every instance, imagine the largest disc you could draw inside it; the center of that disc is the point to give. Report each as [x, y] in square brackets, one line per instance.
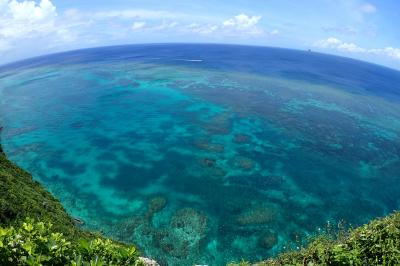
[376, 243]
[35, 243]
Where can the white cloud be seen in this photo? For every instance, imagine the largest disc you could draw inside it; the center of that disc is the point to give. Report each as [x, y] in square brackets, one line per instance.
[243, 23]
[23, 21]
[27, 22]
[29, 28]
[137, 25]
[166, 25]
[201, 29]
[30, 11]
[341, 46]
[352, 11]
[138, 14]
[238, 26]
[387, 51]
[27, 18]
[274, 32]
[368, 8]
[154, 26]
[341, 30]
[336, 44]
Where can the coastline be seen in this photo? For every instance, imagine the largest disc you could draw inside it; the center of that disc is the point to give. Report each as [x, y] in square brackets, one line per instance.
[23, 198]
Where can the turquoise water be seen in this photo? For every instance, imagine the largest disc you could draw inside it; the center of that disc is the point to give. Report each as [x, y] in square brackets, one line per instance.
[204, 154]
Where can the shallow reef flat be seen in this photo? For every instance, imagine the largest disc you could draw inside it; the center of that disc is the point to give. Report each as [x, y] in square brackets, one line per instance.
[204, 164]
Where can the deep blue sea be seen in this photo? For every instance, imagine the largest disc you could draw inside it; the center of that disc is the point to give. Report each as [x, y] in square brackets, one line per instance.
[206, 154]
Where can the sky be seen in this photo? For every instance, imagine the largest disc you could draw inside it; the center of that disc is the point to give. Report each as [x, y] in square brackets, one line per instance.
[367, 30]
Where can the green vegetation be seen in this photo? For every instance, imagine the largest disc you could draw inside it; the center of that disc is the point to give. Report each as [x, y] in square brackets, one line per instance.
[22, 197]
[35, 243]
[376, 243]
[55, 240]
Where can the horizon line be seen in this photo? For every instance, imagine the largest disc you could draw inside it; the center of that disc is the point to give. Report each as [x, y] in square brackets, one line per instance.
[10, 63]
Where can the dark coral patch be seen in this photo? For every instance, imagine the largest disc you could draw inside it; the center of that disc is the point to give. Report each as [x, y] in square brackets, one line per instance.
[241, 138]
[68, 167]
[207, 145]
[244, 163]
[268, 239]
[129, 177]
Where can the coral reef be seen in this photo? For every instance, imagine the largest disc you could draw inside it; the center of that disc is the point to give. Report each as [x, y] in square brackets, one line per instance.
[244, 163]
[157, 204]
[218, 172]
[267, 182]
[187, 228]
[257, 215]
[206, 145]
[219, 124]
[212, 168]
[207, 162]
[241, 138]
[268, 239]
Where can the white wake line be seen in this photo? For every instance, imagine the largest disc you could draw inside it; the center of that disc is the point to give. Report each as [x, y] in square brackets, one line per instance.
[189, 60]
[178, 59]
